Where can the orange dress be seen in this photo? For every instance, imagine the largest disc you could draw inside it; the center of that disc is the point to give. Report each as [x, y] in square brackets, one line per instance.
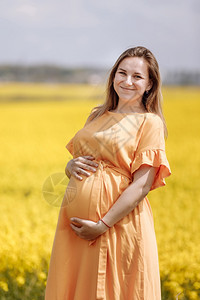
[122, 263]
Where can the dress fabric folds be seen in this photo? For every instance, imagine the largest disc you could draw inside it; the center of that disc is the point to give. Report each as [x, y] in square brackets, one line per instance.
[122, 263]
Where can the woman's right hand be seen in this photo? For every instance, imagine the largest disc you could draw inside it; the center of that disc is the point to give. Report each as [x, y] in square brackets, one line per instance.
[80, 166]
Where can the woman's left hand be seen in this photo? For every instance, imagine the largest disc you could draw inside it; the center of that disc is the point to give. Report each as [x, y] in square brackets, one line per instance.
[86, 229]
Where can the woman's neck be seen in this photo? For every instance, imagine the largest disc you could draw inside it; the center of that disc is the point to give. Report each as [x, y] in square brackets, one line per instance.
[125, 108]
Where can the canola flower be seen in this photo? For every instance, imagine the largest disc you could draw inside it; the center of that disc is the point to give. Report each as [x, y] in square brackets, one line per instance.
[33, 138]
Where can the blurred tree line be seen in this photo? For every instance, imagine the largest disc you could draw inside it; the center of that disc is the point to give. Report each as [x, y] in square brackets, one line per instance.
[57, 74]
[51, 74]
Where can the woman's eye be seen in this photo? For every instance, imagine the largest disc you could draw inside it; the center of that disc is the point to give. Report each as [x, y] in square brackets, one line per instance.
[123, 73]
[137, 76]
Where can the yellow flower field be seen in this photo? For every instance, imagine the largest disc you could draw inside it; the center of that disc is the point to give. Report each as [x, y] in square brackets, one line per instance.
[33, 135]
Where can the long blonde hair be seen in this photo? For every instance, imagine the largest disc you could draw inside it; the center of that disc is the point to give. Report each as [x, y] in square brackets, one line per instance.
[152, 101]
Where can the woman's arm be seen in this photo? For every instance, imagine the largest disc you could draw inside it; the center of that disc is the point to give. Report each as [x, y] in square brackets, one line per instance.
[127, 201]
[133, 194]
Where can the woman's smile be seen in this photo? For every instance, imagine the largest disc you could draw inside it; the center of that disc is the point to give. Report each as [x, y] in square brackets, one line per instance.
[127, 89]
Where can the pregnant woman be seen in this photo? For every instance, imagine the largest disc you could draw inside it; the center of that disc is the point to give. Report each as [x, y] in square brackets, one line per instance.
[105, 245]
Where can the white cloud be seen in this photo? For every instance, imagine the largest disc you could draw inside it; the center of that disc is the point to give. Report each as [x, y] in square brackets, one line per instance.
[28, 10]
[50, 14]
[88, 31]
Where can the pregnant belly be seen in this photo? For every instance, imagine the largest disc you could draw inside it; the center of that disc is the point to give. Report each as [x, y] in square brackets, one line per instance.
[93, 196]
[79, 196]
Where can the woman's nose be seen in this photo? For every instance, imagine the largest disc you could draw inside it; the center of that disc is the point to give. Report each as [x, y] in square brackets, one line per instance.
[129, 80]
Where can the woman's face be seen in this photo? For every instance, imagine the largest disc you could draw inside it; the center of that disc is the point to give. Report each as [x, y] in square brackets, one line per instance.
[131, 80]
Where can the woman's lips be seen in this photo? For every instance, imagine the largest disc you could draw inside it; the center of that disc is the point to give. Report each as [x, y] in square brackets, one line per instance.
[128, 89]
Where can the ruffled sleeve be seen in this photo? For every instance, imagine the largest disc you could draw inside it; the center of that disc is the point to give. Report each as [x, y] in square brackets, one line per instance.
[151, 151]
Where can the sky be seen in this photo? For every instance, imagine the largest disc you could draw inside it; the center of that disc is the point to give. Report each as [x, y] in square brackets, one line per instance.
[95, 32]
